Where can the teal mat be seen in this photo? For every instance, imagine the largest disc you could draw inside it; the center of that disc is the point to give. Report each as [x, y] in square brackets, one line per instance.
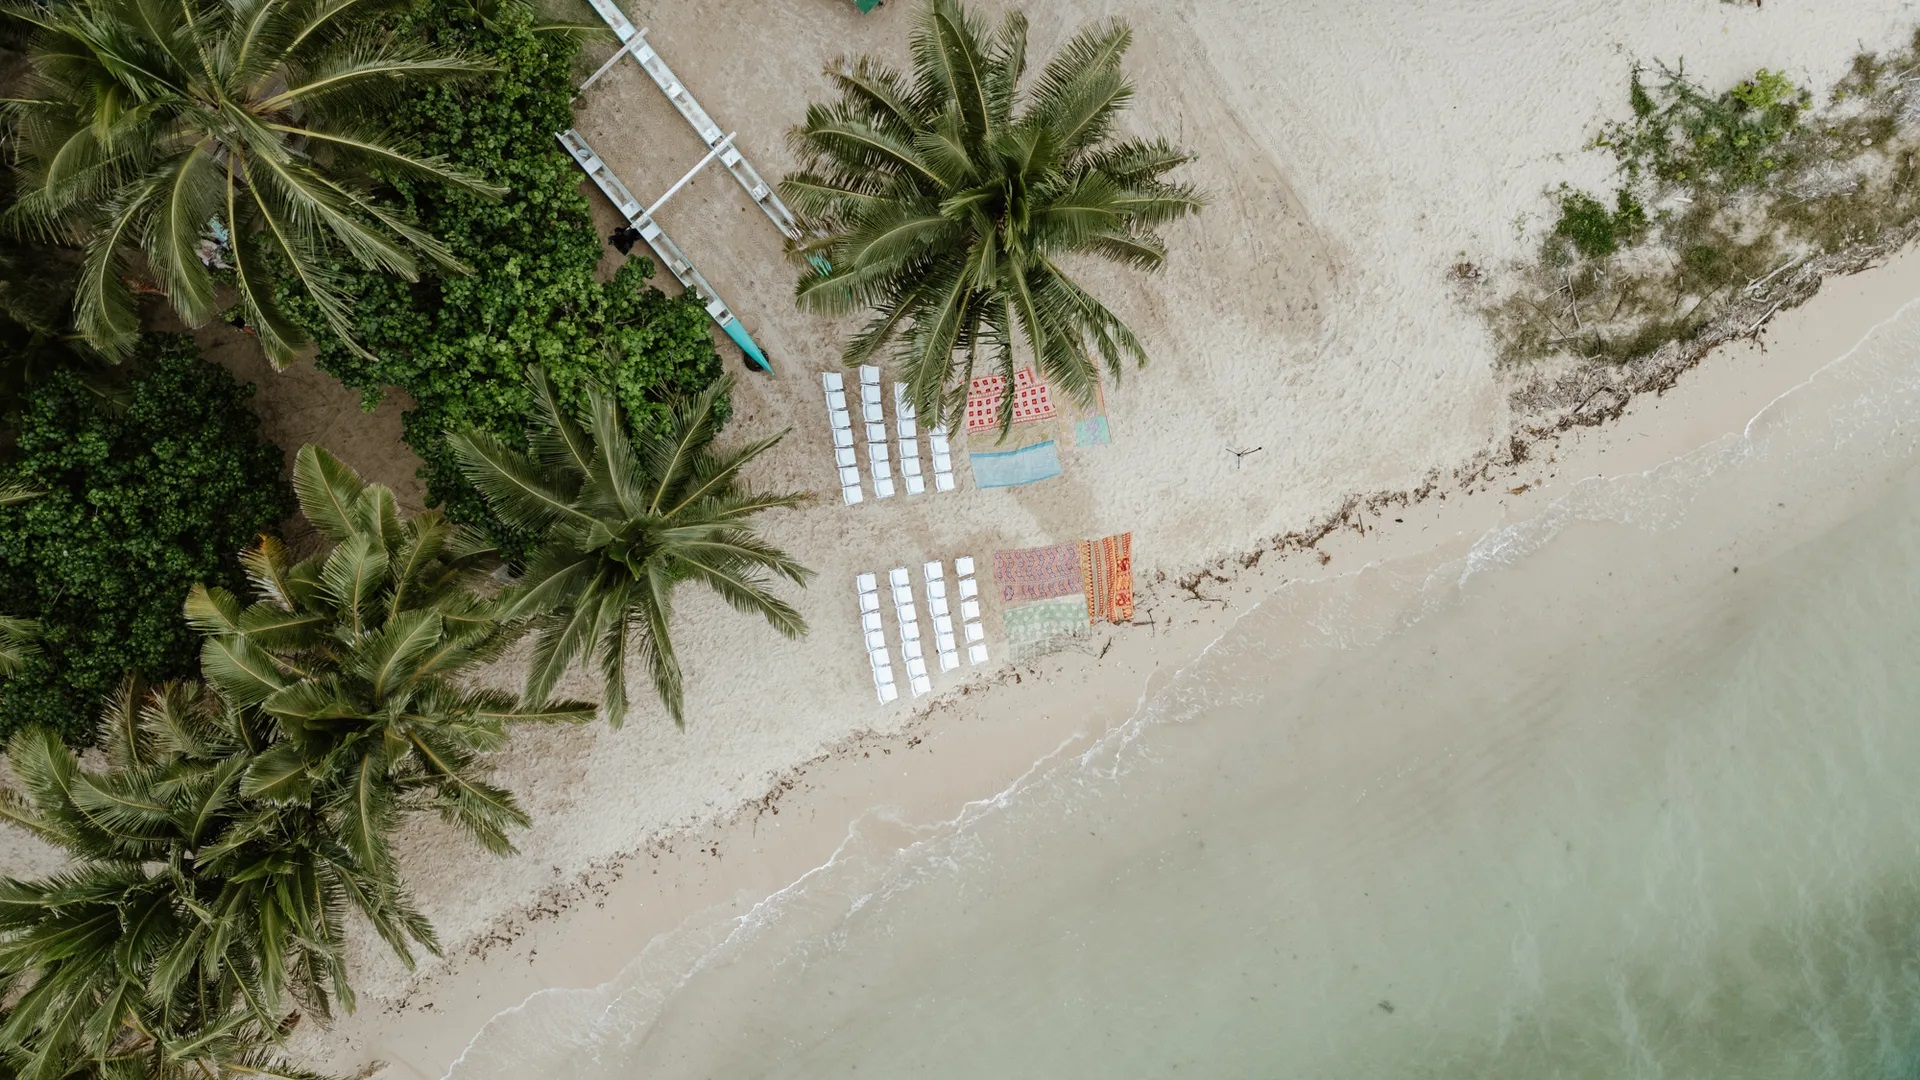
[1012, 468]
[1092, 432]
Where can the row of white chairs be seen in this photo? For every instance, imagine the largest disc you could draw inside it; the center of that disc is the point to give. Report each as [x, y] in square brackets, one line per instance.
[903, 610]
[976, 634]
[842, 421]
[876, 637]
[876, 432]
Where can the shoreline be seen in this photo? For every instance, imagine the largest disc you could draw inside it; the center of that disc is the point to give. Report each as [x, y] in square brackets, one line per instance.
[970, 744]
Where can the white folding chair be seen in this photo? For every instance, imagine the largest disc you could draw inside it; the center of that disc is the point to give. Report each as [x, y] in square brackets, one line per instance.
[849, 476]
[970, 610]
[969, 588]
[963, 566]
[975, 632]
[976, 654]
[832, 380]
[870, 620]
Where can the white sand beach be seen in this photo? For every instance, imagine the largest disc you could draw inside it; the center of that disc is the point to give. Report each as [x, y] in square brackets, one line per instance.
[1351, 153]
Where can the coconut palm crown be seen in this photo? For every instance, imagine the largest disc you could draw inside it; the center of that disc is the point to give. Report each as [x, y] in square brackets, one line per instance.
[624, 520]
[356, 656]
[195, 898]
[951, 202]
[150, 125]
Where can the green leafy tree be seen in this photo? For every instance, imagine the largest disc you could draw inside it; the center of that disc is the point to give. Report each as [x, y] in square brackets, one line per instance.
[623, 521]
[458, 345]
[145, 490]
[196, 898]
[356, 656]
[146, 120]
[950, 200]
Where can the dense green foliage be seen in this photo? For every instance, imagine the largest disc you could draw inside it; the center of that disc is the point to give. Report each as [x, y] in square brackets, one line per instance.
[142, 494]
[1595, 231]
[1682, 134]
[143, 122]
[951, 200]
[355, 654]
[622, 521]
[194, 906]
[1719, 195]
[458, 344]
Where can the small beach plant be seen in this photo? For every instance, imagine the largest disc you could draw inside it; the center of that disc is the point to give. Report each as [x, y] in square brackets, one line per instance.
[198, 896]
[356, 653]
[952, 201]
[624, 520]
[248, 133]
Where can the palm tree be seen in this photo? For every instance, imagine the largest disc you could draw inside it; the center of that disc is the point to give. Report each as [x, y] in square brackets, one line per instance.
[356, 656]
[16, 643]
[16, 634]
[948, 203]
[623, 521]
[150, 123]
[196, 896]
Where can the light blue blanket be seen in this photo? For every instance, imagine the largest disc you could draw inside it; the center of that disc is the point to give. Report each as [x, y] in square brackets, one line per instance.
[1011, 468]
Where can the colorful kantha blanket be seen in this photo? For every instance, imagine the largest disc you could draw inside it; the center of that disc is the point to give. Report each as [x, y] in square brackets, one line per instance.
[1011, 468]
[1038, 627]
[1038, 573]
[1031, 400]
[1106, 571]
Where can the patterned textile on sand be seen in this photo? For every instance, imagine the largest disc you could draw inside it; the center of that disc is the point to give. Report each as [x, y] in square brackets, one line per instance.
[1106, 572]
[1038, 573]
[1036, 628]
[1032, 400]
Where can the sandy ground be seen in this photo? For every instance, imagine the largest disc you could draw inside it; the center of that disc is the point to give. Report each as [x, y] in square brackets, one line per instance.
[1352, 152]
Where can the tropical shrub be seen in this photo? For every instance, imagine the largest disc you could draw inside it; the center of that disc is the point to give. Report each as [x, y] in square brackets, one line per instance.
[142, 494]
[458, 344]
[948, 202]
[153, 128]
[622, 521]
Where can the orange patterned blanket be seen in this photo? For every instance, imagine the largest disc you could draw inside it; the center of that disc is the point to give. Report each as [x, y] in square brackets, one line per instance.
[1106, 569]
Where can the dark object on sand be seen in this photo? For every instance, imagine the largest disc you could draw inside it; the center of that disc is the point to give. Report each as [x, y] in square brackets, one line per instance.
[624, 238]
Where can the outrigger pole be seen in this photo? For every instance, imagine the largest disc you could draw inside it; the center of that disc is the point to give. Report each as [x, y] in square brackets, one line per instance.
[641, 219]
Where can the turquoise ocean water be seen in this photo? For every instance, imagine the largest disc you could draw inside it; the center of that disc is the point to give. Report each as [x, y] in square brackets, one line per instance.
[1587, 802]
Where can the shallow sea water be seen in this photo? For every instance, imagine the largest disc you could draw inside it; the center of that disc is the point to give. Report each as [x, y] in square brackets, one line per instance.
[1589, 802]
